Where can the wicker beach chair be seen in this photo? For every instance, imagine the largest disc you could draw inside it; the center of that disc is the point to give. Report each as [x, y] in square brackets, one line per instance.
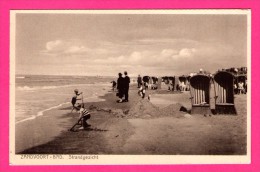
[200, 94]
[224, 93]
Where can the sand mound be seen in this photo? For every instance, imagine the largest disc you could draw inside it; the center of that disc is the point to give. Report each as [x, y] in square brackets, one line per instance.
[144, 109]
[119, 113]
[175, 110]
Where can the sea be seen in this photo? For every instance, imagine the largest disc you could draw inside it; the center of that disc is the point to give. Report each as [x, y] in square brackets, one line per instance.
[36, 94]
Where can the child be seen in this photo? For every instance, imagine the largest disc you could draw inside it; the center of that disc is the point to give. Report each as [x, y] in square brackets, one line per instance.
[74, 99]
[141, 91]
[84, 115]
[113, 85]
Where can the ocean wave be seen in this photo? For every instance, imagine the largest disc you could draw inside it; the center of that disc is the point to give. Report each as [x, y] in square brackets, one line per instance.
[20, 77]
[93, 98]
[27, 88]
[40, 113]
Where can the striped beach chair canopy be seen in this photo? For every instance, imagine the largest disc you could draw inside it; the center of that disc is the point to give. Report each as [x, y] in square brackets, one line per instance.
[224, 87]
[200, 90]
[224, 93]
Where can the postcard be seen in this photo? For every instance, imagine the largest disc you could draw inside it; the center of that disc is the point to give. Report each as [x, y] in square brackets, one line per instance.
[130, 87]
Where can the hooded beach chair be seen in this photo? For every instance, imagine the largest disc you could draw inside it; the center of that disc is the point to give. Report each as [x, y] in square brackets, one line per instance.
[146, 80]
[200, 94]
[224, 93]
[183, 82]
[241, 79]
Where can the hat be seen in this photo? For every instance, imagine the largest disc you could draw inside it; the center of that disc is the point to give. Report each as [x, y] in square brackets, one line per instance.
[76, 90]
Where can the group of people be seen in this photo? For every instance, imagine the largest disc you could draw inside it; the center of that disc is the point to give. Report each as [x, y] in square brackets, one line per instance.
[123, 87]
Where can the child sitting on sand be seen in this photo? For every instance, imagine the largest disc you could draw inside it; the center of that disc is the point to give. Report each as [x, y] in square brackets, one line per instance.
[84, 115]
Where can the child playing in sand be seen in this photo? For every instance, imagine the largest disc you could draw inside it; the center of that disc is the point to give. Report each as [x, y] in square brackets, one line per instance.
[141, 91]
[113, 85]
[84, 115]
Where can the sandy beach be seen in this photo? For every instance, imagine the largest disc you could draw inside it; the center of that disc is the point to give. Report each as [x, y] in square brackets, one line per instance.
[137, 127]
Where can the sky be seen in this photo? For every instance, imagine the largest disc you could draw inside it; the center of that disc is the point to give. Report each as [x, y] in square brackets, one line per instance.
[146, 44]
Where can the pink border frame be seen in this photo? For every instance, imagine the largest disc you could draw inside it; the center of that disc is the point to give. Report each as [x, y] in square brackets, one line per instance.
[6, 5]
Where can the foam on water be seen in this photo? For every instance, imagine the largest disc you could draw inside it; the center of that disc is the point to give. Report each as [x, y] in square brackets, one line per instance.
[37, 94]
[27, 88]
[93, 98]
[20, 77]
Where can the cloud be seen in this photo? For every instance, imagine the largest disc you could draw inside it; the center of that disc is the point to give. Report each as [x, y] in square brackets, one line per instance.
[61, 47]
[164, 57]
[166, 41]
[160, 55]
[168, 52]
[76, 50]
[187, 52]
[52, 45]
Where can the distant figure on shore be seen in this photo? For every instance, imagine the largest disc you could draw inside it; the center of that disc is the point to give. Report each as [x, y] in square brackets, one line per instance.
[120, 87]
[159, 85]
[170, 84]
[241, 89]
[113, 85]
[235, 88]
[74, 99]
[245, 86]
[126, 86]
[139, 81]
[178, 87]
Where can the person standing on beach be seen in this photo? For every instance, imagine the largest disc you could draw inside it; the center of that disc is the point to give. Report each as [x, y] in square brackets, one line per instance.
[139, 81]
[126, 86]
[120, 87]
[74, 99]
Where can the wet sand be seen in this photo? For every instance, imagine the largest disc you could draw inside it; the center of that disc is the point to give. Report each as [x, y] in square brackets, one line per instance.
[140, 126]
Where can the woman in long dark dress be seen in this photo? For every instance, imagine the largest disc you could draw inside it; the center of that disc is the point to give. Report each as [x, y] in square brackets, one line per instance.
[120, 87]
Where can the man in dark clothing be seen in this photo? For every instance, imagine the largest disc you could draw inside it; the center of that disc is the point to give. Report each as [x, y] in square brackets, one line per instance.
[139, 81]
[126, 86]
[120, 87]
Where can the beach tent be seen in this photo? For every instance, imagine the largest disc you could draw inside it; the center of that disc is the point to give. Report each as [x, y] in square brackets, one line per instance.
[146, 78]
[184, 82]
[154, 79]
[241, 78]
[165, 79]
[200, 94]
[153, 82]
[224, 93]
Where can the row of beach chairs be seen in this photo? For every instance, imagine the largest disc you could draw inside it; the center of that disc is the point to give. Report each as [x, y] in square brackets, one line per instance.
[200, 86]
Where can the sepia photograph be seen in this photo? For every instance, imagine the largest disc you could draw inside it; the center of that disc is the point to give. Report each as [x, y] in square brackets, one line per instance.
[130, 86]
